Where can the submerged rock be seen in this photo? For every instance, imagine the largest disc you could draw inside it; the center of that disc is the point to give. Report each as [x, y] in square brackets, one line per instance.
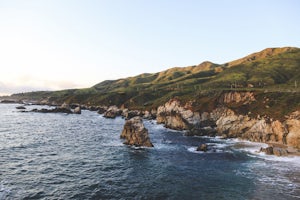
[20, 108]
[280, 151]
[54, 110]
[202, 147]
[135, 133]
[267, 150]
[277, 151]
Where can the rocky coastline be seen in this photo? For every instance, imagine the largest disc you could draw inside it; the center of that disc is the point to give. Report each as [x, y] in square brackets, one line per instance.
[219, 121]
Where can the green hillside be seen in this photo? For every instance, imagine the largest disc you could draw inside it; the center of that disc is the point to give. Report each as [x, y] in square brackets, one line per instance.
[273, 70]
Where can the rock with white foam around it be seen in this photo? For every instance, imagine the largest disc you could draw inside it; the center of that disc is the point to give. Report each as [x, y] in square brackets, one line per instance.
[135, 133]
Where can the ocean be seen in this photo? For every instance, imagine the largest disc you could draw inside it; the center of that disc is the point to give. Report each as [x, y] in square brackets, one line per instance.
[65, 156]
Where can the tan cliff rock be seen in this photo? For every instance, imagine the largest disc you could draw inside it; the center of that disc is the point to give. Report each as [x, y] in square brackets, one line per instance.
[175, 116]
[237, 97]
[227, 123]
[293, 127]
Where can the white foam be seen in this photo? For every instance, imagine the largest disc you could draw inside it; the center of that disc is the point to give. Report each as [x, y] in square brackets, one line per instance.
[218, 145]
[253, 148]
[116, 143]
[290, 159]
[167, 145]
[194, 150]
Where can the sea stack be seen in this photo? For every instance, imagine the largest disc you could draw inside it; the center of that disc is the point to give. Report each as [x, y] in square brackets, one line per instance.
[135, 133]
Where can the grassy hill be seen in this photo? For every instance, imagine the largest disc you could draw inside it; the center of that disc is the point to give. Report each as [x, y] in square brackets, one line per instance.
[272, 70]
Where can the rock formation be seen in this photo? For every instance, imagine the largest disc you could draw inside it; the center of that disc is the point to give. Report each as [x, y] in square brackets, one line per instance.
[128, 114]
[64, 108]
[237, 97]
[77, 110]
[135, 133]
[277, 151]
[202, 147]
[225, 122]
[175, 116]
[112, 112]
[20, 108]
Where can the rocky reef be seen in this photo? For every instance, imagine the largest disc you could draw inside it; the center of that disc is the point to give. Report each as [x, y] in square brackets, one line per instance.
[64, 108]
[135, 133]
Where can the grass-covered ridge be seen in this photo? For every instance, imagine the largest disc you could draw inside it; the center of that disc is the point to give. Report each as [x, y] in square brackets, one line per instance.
[273, 70]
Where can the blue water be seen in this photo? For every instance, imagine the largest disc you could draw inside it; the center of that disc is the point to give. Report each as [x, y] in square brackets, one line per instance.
[60, 156]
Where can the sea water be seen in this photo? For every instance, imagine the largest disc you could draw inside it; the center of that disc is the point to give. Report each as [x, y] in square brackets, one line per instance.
[63, 156]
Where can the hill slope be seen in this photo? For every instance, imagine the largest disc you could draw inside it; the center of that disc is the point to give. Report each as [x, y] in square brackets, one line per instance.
[273, 69]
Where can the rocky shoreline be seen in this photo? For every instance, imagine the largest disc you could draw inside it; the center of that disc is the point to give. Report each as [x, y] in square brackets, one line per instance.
[219, 121]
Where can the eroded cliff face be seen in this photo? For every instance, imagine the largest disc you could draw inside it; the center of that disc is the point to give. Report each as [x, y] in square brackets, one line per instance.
[293, 128]
[227, 123]
[176, 116]
[237, 97]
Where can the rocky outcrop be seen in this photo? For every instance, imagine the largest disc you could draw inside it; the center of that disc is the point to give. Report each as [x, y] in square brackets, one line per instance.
[64, 108]
[261, 129]
[102, 109]
[54, 110]
[237, 97]
[77, 110]
[112, 112]
[128, 114]
[175, 116]
[135, 133]
[202, 147]
[293, 130]
[225, 122]
[20, 108]
[277, 151]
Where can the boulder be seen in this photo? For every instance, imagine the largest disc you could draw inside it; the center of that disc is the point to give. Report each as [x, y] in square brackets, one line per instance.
[65, 106]
[148, 115]
[112, 112]
[277, 151]
[280, 151]
[202, 147]
[102, 110]
[77, 110]
[128, 114]
[267, 150]
[135, 133]
[20, 108]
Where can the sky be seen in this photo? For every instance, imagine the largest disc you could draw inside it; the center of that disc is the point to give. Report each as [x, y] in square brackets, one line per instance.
[63, 44]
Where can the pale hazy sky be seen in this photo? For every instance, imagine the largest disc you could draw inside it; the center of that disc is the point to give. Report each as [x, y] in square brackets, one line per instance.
[58, 44]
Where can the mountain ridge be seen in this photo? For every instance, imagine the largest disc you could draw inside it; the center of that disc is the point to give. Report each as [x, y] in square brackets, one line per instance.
[272, 69]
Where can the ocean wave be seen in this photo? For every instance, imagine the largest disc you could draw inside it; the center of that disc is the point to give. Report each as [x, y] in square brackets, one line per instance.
[211, 149]
[253, 149]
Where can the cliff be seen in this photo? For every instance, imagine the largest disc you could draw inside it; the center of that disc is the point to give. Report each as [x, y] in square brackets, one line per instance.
[226, 122]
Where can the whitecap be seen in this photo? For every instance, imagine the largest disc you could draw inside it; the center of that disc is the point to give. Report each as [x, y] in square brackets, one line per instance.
[253, 150]
[194, 150]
